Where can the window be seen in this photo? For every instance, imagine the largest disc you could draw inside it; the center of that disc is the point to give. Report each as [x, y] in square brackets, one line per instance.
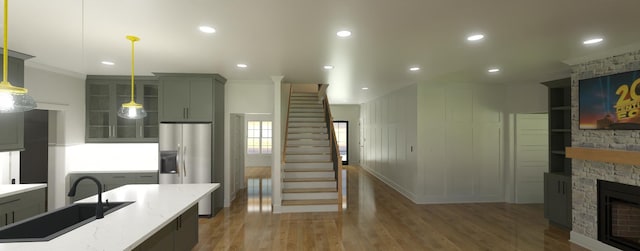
[259, 137]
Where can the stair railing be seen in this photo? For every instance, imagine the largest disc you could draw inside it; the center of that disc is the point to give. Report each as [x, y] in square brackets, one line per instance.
[286, 130]
[335, 150]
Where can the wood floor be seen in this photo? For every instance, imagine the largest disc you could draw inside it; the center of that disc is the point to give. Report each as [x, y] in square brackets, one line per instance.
[379, 218]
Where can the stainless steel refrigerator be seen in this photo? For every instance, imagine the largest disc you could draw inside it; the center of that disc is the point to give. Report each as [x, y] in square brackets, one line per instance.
[186, 156]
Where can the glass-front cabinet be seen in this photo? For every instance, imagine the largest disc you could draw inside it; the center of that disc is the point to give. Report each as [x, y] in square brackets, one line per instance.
[105, 95]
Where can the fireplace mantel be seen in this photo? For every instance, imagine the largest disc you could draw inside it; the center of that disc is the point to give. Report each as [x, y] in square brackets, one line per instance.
[604, 155]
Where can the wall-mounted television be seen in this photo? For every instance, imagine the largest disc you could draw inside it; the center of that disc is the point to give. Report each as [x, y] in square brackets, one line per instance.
[610, 102]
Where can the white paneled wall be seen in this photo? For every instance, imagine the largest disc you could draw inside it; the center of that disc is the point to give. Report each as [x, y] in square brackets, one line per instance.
[388, 135]
[460, 130]
[437, 143]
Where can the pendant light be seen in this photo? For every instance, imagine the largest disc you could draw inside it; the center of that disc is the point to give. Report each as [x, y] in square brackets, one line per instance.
[12, 98]
[132, 110]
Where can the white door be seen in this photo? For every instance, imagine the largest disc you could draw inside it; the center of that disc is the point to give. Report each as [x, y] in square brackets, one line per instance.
[531, 157]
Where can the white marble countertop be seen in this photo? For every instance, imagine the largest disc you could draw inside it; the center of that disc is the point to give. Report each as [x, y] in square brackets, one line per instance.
[114, 171]
[8, 190]
[155, 206]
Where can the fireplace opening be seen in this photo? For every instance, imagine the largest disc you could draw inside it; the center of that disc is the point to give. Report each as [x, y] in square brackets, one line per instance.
[619, 215]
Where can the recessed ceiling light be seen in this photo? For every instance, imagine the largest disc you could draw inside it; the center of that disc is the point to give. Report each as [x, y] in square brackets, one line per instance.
[344, 33]
[492, 70]
[365, 88]
[207, 29]
[415, 68]
[593, 41]
[475, 37]
[241, 65]
[107, 63]
[328, 67]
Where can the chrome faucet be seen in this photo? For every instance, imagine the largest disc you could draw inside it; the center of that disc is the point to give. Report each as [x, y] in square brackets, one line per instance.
[99, 209]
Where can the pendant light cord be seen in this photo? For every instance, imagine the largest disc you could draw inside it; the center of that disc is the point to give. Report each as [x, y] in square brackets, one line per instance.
[132, 68]
[5, 52]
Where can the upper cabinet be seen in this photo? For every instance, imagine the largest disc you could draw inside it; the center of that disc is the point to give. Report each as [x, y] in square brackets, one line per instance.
[188, 97]
[105, 95]
[12, 124]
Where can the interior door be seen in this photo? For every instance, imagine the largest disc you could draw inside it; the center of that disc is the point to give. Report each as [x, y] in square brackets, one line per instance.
[531, 158]
[342, 137]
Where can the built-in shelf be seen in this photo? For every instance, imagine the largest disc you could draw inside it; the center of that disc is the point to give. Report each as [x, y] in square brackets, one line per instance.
[561, 108]
[604, 155]
[560, 130]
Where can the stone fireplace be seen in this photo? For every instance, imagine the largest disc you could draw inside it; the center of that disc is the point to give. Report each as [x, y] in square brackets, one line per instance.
[586, 173]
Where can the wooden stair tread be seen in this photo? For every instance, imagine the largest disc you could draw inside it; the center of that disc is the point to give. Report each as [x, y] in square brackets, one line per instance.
[309, 179]
[309, 202]
[308, 153]
[308, 162]
[309, 190]
[308, 169]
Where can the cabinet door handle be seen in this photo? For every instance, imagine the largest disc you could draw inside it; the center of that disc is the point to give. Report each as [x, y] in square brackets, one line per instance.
[13, 216]
[184, 113]
[6, 219]
[188, 112]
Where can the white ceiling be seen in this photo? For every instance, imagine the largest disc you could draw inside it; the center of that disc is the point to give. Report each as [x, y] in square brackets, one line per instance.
[528, 40]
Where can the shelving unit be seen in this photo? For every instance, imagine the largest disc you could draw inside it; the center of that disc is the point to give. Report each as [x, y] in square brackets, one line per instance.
[105, 95]
[557, 181]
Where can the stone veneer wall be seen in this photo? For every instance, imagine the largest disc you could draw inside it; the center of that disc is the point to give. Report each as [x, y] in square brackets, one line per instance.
[586, 173]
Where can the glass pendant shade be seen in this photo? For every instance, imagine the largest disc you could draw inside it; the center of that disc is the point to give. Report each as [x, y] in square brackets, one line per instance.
[12, 98]
[132, 110]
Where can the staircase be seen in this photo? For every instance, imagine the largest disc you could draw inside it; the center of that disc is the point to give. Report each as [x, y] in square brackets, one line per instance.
[309, 178]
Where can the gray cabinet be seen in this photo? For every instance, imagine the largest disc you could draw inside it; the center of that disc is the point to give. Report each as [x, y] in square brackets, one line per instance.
[109, 181]
[187, 97]
[12, 124]
[105, 95]
[181, 234]
[21, 206]
[557, 198]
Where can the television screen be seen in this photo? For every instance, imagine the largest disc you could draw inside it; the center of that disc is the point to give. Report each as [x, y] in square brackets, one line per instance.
[610, 102]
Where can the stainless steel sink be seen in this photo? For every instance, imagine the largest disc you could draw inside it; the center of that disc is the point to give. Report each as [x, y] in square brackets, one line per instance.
[52, 224]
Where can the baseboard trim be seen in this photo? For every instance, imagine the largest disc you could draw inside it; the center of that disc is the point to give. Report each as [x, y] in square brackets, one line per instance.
[591, 244]
[392, 184]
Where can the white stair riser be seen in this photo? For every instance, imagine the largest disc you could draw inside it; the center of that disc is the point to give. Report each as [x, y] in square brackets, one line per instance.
[308, 165]
[304, 98]
[305, 101]
[307, 158]
[311, 110]
[308, 143]
[310, 196]
[308, 124]
[312, 208]
[294, 106]
[308, 136]
[306, 119]
[307, 130]
[306, 115]
[309, 184]
[329, 174]
[316, 149]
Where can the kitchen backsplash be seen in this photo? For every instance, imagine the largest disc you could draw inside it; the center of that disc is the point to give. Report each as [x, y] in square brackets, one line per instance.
[112, 157]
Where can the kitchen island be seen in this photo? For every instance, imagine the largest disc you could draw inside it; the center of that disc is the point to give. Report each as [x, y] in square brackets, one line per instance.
[154, 207]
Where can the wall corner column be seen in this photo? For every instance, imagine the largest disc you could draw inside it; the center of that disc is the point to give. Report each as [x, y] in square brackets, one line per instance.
[277, 144]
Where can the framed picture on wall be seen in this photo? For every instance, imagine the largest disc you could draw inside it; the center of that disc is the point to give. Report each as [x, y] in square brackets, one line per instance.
[610, 102]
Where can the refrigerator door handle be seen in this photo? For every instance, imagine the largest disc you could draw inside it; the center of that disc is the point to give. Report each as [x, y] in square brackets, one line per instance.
[184, 161]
